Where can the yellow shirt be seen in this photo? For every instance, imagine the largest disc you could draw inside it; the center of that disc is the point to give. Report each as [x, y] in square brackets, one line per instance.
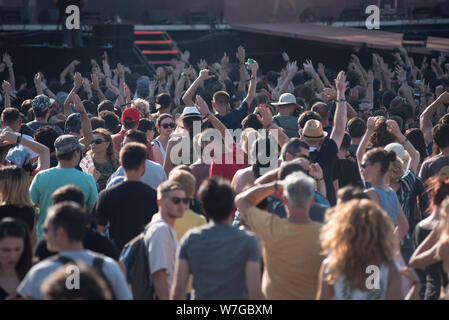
[189, 220]
[291, 254]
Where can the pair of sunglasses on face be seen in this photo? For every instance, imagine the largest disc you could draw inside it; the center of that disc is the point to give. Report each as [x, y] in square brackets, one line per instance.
[177, 200]
[98, 141]
[168, 125]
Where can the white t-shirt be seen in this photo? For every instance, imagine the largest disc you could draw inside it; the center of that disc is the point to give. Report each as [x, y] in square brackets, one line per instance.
[162, 243]
[31, 284]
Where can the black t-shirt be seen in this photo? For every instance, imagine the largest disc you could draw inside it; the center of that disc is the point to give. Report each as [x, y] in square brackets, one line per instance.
[327, 159]
[348, 173]
[93, 241]
[26, 214]
[128, 208]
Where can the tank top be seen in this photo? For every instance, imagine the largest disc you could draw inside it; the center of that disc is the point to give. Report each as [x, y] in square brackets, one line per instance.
[162, 149]
[343, 290]
[388, 201]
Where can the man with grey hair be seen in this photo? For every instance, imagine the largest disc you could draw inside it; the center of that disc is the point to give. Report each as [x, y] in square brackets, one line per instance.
[291, 246]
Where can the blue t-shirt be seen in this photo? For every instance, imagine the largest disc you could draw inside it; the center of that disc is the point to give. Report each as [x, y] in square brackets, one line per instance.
[37, 124]
[47, 181]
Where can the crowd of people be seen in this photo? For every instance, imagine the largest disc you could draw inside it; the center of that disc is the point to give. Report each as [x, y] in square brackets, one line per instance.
[221, 180]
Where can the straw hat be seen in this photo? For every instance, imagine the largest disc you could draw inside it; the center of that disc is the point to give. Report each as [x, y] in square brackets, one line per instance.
[313, 131]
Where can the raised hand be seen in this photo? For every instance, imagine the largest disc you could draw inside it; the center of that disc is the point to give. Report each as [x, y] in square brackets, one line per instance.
[95, 84]
[204, 75]
[160, 74]
[201, 105]
[315, 171]
[285, 56]
[86, 85]
[120, 70]
[402, 75]
[330, 93]
[7, 60]
[106, 67]
[225, 60]
[202, 64]
[292, 68]
[264, 115]
[240, 54]
[254, 67]
[185, 56]
[371, 123]
[340, 82]
[308, 66]
[38, 80]
[77, 104]
[393, 127]
[78, 80]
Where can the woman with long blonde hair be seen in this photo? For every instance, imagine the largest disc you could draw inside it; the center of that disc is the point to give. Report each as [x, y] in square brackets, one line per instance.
[103, 155]
[358, 239]
[15, 201]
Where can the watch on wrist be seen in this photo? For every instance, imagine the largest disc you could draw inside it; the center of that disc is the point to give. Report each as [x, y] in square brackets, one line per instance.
[19, 139]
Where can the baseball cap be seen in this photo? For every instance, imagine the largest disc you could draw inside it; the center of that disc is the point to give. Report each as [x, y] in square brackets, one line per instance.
[73, 123]
[18, 156]
[67, 143]
[131, 114]
[41, 102]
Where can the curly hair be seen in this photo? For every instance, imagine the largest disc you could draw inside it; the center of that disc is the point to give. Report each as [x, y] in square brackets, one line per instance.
[356, 234]
[110, 151]
[381, 136]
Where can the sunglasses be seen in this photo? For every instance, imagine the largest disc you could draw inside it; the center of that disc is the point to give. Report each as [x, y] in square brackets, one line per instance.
[168, 125]
[98, 141]
[177, 200]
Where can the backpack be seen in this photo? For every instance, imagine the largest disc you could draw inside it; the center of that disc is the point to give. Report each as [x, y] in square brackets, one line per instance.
[134, 256]
[97, 264]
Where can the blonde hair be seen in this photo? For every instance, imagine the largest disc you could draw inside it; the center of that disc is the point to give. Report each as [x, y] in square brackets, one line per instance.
[395, 171]
[185, 179]
[14, 187]
[356, 234]
[143, 106]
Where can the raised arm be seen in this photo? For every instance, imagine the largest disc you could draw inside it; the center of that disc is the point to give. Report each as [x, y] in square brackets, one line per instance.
[370, 125]
[9, 65]
[85, 122]
[308, 67]
[425, 120]
[254, 196]
[69, 70]
[7, 90]
[203, 108]
[340, 117]
[188, 96]
[413, 163]
[252, 83]
[266, 119]
[43, 162]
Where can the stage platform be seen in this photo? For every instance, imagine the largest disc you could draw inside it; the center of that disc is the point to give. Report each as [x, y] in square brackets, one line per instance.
[349, 37]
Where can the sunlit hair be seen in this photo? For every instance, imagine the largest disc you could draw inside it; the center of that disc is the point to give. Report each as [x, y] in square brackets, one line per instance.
[438, 187]
[395, 171]
[356, 234]
[381, 136]
[249, 134]
[142, 105]
[111, 154]
[14, 187]
[185, 179]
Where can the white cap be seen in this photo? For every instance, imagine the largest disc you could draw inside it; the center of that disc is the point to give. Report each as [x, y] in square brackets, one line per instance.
[284, 99]
[190, 112]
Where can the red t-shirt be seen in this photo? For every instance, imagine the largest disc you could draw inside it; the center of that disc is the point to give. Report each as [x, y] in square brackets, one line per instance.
[231, 162]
